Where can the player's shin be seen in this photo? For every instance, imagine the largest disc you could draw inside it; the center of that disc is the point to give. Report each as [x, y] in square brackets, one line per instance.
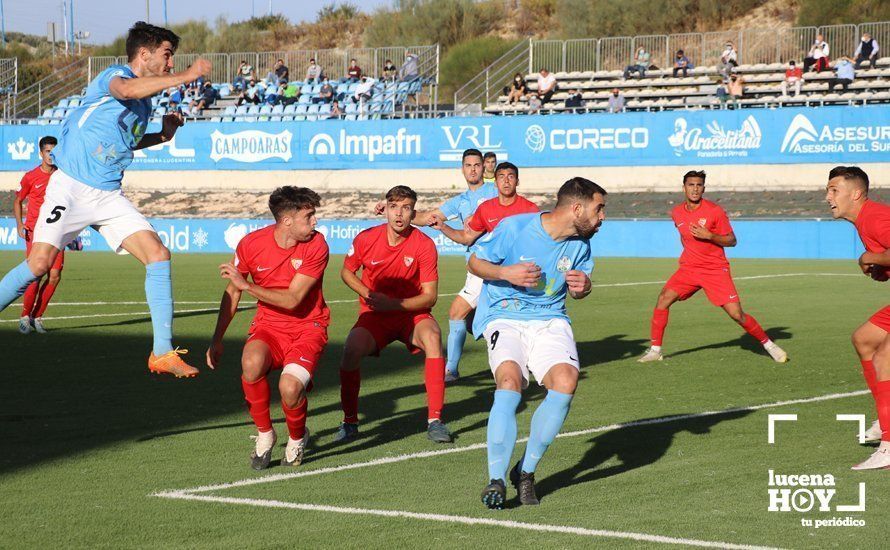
[870, 375]
[546, 423]
[159, 295]
[14, 284]
[256, 394]
[457, 336]
[434, 379]
[350, 384]
[753, 328]
[501, 437]
[882, 402]
[658, 325]
[45, 294]
[29, 298]
[296, 419]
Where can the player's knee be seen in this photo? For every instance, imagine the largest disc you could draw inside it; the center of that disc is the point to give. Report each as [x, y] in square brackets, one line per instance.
[55, 277]
[352, 357]
[40, 265]
[861, 342]
[563, 378]
[459, 310]
[432, 341]
[253, 367]
[292, 391]
[508, 377]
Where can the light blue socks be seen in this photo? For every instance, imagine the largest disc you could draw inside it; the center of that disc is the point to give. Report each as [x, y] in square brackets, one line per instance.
[159, 294]
[502, 432]
[457, 335]
[546, 423]
[14, 284]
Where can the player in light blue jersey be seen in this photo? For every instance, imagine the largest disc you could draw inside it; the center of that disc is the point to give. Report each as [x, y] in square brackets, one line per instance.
[95, 147]
[530, 262]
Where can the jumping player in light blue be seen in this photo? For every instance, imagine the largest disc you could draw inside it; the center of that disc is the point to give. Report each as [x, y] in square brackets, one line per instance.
[530, 262]
[95, 147]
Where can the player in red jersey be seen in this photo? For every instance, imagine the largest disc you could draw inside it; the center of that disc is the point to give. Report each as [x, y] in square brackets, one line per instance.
[33, 189]
[704, 232]
[398, 287]
[490, 213]
[286, 263]
[847, 195]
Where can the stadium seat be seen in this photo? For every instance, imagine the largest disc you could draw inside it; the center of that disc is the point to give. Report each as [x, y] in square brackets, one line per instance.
[306, 89]
[266, 110]
[277, 109]
[47, 113]
[324, 112]
[300, 113]
[215, 119]
[230, 110]
[253, 110]
[59, 113]
[312, 112]
[241, 110]
[290, 109]
[63, 103]
[275, 118]
[75, 102]
[304, 99]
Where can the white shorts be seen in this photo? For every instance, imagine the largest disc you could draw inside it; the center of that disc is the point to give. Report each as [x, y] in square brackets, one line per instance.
[536, 346]
[71, 206]
[471, 290]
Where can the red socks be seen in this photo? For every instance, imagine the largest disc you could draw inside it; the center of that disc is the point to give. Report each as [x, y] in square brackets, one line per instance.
[659, 323]
[753, 328]
[29, 298]
[882, 401]
[257, 396]
[434, 377]
[296, 419]
[870, 375]
[43, 298]
[350, 384]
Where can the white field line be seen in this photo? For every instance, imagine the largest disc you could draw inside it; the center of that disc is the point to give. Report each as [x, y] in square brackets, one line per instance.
[476, 446]
[745, 278]
[464, 520]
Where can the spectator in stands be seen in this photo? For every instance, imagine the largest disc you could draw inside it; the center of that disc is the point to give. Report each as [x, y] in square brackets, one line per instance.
[276, 95]
[640, 63]
[518, 89]
[616, 101]
[326, 93]
[721, 93]
[546, 85]
[489, 165]
[793, 77]
[818, 55]
[681, 63]
[314, 72]
[335, 110]
[291, 93]
[534, 104]
[281, 71]
[729, 59]
[389, 71]
[174, 97]
[736, 89]
[845, 74]
[244, 75]
[867, 50]
[249, 95]
[208, 97]
[409, 70]
[354, 72]
[365, 89]
[575, 101]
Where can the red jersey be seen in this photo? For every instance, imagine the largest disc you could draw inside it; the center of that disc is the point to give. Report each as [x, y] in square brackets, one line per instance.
[33, 188]
[490, 213]
[271, 266]
[873, 225]
[698, 253]
[397, 271]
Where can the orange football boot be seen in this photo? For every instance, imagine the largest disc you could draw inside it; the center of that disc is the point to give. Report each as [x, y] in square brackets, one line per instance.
[172, 363]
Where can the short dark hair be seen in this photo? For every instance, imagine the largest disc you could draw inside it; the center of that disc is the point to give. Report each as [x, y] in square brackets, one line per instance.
[400, 192]
[144, 35]
[490, 155]
[850, 173]
[288, 198]
[47, 140]
[471, 153]
[578, 188]
[507, 166]
[695, 174]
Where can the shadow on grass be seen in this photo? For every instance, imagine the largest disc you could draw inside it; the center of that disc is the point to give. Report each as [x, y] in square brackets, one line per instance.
[744, 341]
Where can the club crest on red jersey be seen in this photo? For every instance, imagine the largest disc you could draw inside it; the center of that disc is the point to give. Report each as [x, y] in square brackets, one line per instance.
[296, 263]
[408, 261]
[702, 221]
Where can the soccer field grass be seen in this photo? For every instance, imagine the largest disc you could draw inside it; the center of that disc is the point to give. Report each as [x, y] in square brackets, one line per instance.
[90, 438]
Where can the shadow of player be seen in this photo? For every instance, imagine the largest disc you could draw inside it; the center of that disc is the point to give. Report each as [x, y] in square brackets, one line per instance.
[744, 341]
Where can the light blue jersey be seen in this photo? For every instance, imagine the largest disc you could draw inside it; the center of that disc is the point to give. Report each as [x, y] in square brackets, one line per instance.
[520, 239]
[460, 207]
[97, 139]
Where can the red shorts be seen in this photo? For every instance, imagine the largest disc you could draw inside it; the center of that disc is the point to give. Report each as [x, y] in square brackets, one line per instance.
[301, 346]
[881, 319]
[387, 327]
[717, 283]
[60, 257]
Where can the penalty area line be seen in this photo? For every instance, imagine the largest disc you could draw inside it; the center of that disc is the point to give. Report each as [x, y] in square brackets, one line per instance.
[463, 520]
[476, 446]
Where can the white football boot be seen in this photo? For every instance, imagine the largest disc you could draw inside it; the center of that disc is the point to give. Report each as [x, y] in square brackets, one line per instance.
[777, 353]
[293, 453]
[25, 325]
[38, 325]
[879, 460]
[262, 453]
[652, 354]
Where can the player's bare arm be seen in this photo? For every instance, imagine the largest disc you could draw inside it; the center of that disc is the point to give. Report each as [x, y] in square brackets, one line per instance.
[700, 232]
[875, 258]
[578, 283]
[422, 218]
[354, 282]
[526, 274]
[465, 236]
[286, 298]
[148, 86]
[228, 307]
[169, 124]
[17, 211]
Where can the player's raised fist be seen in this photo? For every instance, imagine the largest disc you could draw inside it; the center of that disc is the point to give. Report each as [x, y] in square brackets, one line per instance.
[379, 208]
[526, 274]
[436, 222]
[201, 67]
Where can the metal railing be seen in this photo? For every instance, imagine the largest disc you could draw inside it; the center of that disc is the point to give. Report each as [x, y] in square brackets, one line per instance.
[754, 46]
[9, 79]
[45, 93]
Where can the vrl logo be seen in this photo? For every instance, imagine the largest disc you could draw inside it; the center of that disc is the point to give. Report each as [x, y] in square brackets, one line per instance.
[469, 137]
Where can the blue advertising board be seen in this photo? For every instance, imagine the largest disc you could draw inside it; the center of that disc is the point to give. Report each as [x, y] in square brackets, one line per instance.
[802, 239]
[748, 136]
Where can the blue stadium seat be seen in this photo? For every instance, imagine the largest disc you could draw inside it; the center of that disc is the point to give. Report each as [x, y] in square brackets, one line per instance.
[287, 118]
[301, 112]
[415, 87]
[403, 86]
[324, 112]
[304, 99]
[230, 110]
[47, 113]
[316, 89]
[275, 118]
[228, 119]
[266, 110]
[225, 90]
[74, 102]
[215, 119]
[33, 121]
[342, 88]
[250, 119]
[55, 121]
[59, 113]
[161, 111]
[253, 110]
[290, 109]
[352, 87]
[312, 112]
[239, 119]
[241, 110]
[63, 103]
[277, 109]
[306, 89]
